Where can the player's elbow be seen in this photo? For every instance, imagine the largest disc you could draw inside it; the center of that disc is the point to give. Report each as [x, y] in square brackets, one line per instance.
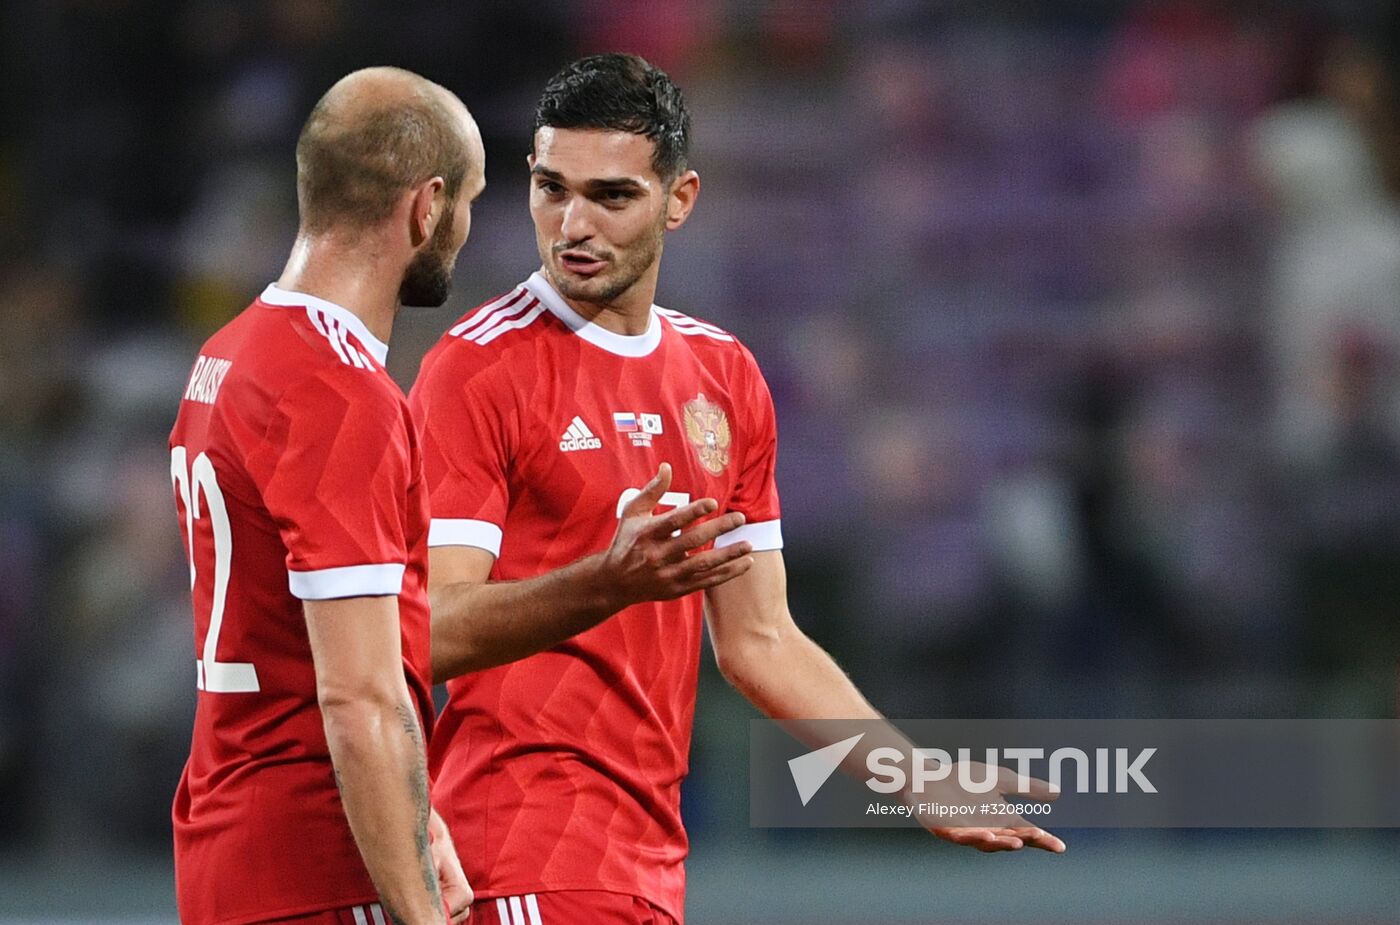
[362, 727]
[352, 705]
[347, 723]
[735, 670]
[743, 657]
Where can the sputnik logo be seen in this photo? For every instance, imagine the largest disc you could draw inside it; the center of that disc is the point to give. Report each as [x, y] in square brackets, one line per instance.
[811, 771]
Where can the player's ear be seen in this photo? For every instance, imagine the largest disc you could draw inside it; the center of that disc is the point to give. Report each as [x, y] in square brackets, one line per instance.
[424, 210]
[685, 189]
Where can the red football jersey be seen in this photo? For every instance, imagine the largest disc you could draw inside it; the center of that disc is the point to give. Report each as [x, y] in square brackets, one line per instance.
[562, 771]
[297, 476]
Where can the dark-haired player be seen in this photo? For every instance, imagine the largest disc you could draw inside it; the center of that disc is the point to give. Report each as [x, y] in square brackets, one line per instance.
[558, 418]
[298, 484]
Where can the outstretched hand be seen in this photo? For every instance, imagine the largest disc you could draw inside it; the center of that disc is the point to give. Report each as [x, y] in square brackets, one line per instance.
[1010, 838]
[652, 556]
[1013, 836]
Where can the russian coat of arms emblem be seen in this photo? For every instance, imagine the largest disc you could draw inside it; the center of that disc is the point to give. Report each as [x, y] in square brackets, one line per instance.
[707, 429]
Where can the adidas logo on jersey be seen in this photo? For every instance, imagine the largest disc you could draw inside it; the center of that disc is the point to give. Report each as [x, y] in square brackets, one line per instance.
[579, 437]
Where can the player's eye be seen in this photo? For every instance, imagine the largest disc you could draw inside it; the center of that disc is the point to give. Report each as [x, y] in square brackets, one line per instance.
[617, 197]
[550, 188]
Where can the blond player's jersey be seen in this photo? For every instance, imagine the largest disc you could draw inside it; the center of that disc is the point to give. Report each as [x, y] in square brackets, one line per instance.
[562, 771]
[297, 476]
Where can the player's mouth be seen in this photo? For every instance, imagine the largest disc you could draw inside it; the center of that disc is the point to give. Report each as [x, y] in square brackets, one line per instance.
[581, 262]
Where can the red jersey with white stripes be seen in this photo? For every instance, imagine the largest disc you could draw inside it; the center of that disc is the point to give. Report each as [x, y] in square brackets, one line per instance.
[297, 476]
[562, 771]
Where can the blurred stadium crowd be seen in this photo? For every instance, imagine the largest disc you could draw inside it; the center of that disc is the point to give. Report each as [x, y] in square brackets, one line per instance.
[1083, 329]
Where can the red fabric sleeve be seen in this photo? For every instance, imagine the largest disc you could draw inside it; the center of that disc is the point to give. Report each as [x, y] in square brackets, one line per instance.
[334, 470]
[756, 491]
[469, 423]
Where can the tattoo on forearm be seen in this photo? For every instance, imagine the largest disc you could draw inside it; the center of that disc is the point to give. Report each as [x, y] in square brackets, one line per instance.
[418, 786]
[408, 717]
[418, 791]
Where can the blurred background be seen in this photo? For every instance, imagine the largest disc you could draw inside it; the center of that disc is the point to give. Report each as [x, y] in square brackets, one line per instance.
[1082, 321]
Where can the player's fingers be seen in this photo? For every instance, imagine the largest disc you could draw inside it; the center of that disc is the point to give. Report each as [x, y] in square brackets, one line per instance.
[695, 538]
[663, 525]
[987, 840]
[1036, 837]
[718, 576]
[458, 896]
[712, 559]
[709, 531]
[645, 502]
[458, 899]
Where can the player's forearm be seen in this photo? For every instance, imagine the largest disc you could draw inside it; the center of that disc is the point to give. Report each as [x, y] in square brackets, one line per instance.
[376, 746]
[790, 677]
[481, 625]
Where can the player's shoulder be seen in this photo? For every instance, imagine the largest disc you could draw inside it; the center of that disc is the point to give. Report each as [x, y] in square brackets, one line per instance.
[503, 329]
[701, 332]
[322, 333]
[501, 321]
[310, 351]
[708, 340]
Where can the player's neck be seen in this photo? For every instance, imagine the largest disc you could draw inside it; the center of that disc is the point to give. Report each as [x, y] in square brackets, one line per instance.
[352, 279]
[614, 316]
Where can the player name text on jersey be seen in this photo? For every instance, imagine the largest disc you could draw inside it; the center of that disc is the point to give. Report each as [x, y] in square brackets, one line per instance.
[205, 379]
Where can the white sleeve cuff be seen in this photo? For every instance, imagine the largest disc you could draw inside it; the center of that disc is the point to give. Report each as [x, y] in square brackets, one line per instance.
[479, 533]
[351, 581]
[765, 535]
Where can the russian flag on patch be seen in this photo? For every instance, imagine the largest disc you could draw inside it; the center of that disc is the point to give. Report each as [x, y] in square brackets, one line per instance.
[625, 421]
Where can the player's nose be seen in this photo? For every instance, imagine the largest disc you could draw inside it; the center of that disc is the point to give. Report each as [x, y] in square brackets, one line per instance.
[577, 225]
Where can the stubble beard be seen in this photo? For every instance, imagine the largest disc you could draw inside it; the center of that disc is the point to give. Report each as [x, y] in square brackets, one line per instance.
[427, 281]
[610, 286]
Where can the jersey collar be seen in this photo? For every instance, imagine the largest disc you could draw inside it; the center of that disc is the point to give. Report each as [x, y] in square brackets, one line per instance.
[286, 298]
[624, 345]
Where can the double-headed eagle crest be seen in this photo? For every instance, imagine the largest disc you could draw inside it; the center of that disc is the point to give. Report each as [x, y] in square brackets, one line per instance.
[707, 428]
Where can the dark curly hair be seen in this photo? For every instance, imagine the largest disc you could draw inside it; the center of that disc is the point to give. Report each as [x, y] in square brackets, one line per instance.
[623, 93]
